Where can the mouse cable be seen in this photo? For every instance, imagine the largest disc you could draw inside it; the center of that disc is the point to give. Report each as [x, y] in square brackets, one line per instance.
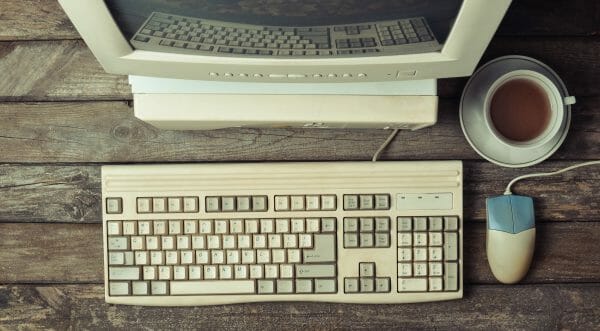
[544, 174]
[384, 145]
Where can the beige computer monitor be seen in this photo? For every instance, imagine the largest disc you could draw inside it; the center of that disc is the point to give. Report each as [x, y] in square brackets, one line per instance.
[474, 27]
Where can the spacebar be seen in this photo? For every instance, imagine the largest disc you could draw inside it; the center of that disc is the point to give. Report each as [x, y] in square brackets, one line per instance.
[212, 287]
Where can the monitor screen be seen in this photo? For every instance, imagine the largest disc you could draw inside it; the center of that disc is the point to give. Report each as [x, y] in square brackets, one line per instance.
[286, 28]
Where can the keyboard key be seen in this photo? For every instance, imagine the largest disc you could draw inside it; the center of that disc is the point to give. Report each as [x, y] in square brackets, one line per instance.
[451, 223]
[328, 224]
[436, 224]
[282, 225]
[297, 202]
[313, 202]
[213, 204]
[451, 276]
[366, 240]
[118, 288]
[228, 204]
[285, 286]
[259, 203]
[243, 204]
[366, 202]
[351, 285]
[350, 202]
[212, 287]
[350, 224]
[328, 202]
[175, 205]
[123, 273]
[367, 285]
[282, 203]
[114, 205]
[324, 249]
[382, 224]
[159, 288]
[450, 246]
[118, 243]
[325, 286]
[412, 284]
[190, 205]
[266, 286]
[366, 269]
[404, 224]
[315, 270]
[382, 240]
[159, 205]
[114, 228]
[350, 240]
[304, 286]
[366, 224]
[382, 285]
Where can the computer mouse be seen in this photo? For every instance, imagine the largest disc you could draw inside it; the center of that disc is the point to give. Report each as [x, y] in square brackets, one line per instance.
[510, 236]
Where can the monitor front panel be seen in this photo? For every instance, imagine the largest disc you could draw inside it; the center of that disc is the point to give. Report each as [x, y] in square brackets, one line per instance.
[308, 41]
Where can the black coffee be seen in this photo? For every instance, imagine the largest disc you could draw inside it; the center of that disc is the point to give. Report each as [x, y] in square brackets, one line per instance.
[520, 110]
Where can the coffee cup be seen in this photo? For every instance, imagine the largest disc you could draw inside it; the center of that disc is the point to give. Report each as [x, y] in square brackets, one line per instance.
[525, 109]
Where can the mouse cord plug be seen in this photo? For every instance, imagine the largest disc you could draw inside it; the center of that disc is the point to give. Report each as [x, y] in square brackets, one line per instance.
[384, 145]
[545, 174]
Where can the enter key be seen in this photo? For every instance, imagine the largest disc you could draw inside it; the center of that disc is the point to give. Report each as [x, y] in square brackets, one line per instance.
[324, 249]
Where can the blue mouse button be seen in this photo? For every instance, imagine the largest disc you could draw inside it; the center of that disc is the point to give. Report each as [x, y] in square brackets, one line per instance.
[510, 213]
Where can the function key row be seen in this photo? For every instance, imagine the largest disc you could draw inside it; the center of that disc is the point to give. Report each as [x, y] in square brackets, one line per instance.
[366, 201]
[148, 205]
[255, 203]
[305, 202]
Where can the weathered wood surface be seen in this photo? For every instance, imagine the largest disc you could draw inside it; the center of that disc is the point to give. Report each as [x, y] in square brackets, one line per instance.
[72, 253]
[45, 19]
[57, 194]
[66, 70]
[540, 307]
[108, 132]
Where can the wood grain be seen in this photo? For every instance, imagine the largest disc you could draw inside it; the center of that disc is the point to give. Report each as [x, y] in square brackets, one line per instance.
[540, 307]
[71, 194]
[72, 253]
[66, 70]
[45, 19]
[34, 20]
[108, 132]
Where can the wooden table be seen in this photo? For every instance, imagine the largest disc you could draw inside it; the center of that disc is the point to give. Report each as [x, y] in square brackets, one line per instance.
[62, 117]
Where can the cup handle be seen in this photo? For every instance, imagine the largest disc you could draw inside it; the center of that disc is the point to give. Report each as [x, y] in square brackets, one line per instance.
[569, 100]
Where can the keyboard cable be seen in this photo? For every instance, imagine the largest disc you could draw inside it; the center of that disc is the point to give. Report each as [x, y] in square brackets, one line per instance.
[384, 145]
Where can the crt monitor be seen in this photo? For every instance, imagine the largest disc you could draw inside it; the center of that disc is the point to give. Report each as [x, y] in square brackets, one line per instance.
[327, 63]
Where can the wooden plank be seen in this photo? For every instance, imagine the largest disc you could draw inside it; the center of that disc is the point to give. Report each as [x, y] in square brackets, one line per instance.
[109, 132]
[72, 253]
[34, 20]
[540, 307]
[45, 19]
[71, 194]
[56, 70]
[67, 70]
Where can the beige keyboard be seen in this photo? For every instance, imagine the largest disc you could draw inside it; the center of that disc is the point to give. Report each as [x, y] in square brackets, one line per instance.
[355, 232]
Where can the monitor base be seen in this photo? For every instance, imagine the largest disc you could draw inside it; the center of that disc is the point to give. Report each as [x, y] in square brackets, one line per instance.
[196, 105]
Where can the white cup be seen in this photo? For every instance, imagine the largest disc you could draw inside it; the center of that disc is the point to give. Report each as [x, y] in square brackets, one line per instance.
[555, 98]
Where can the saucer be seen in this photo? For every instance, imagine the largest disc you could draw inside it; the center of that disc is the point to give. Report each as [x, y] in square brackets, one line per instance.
[472, 117]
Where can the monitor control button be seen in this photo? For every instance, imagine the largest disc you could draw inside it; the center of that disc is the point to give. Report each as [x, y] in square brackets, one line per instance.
[347, 75]
[214, 74]
[362, 75]
[318, 76]
[258, 75]
[296, 76]
[228, 74]
[277, 76]
[332, 75]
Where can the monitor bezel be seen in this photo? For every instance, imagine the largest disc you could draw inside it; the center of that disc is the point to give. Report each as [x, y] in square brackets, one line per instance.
[475, 26]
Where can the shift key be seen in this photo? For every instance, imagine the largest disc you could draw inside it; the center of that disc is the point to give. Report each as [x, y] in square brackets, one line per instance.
[324, 249]
[315, 270]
